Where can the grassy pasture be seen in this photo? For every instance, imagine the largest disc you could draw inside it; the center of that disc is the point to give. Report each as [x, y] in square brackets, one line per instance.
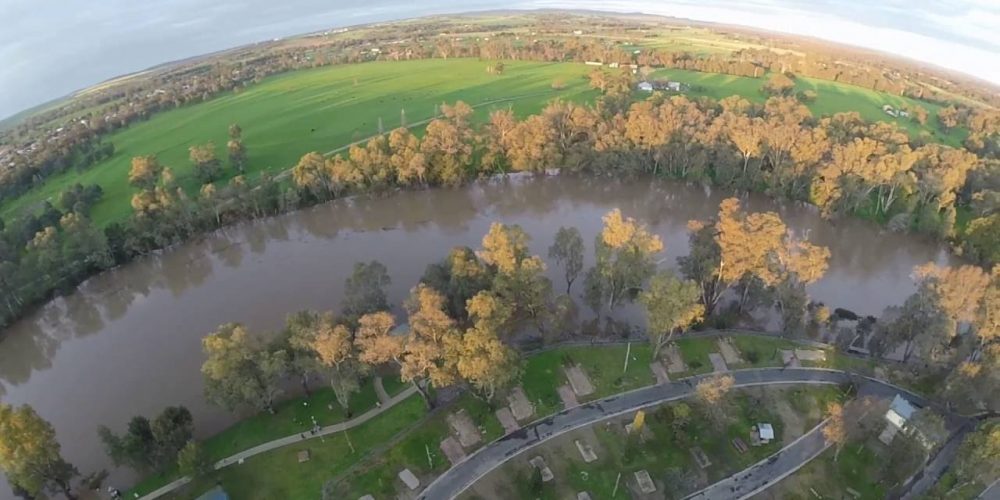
[325, 108]
[320, 109]
[833, 97]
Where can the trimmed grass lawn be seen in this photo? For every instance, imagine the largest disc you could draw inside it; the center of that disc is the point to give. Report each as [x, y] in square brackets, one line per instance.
[321, 109]
[290, 416]
[418, 450]
[833, 97]
[277, 474]
[604, 365]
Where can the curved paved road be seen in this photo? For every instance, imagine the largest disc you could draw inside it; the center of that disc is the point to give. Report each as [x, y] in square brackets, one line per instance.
[455, 480]
[772, 469]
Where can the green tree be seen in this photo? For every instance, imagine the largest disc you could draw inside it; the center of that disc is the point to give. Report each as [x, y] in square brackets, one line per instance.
[193, 460]
[241, 370]
[567, 251]
[237, 155]
[671, 306]
[30, 454]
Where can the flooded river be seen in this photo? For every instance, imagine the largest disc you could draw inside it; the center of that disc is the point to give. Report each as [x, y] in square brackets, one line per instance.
[128, 342]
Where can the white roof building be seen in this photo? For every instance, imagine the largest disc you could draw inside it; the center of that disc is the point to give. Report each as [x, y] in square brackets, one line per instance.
[645, 86]
[766, 431]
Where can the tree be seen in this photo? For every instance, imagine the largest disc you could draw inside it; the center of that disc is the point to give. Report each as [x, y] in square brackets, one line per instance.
[519, 279]
[978, 457]
[30, 454]
[376, 342]
[567, 251]
[624, 251]
[235, 132]
[237, 155]
[835, 430]
[241, 370]
[447, 145]
[364, 291]
[432, 338]
[145, 172]
[485, 362]
[671, 306]
[778, 84]
[136, 448]
[193, 460]
[311, 175]
[206, 165]
[929, 426]
[711, 393]
[335, 350]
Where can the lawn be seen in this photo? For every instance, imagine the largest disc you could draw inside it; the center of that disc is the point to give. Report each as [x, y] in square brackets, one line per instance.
[833, 97]
[604, 366]
[277, 474]
[291, 416]
[320, 109]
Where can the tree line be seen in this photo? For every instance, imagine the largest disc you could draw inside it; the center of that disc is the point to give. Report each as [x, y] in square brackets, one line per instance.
[839, 163]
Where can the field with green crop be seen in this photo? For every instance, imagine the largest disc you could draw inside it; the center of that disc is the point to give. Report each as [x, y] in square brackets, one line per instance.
[832, 98]
[313, 110]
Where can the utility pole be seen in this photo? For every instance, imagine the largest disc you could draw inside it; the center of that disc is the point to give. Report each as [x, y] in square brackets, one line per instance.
[628, 354]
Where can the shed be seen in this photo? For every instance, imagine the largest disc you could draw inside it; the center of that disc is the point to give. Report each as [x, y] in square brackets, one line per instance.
[216, 493]
[645, 86]
[900, 411]
[766, 431]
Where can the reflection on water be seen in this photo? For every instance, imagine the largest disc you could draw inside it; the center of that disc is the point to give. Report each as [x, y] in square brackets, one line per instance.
[128, 342]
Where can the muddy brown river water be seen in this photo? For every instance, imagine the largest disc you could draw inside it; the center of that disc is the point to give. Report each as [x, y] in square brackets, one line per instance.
[128, 341]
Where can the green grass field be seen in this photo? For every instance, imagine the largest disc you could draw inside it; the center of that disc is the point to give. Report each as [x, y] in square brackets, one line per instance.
[323, 109]
[832, 98]
[289, 115]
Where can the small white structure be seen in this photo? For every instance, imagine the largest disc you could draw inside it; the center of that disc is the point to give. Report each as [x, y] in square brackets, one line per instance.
[594, 63]
[899, 413]
[578, 32]
[674, 86]
[645, 86]
[903, 113]
[614, 65]
[889, 110]
[766, 432]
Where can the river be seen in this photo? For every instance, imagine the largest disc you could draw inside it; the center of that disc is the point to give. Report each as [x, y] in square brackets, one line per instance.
[128, 341]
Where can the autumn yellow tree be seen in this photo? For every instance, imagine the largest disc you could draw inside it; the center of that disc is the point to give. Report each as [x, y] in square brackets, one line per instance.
[519, 279]
[428, 353]
[447, 145]
[624, 250]
[711, 392]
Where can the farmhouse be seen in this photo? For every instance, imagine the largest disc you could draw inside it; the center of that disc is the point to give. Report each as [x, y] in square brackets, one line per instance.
[645, 86]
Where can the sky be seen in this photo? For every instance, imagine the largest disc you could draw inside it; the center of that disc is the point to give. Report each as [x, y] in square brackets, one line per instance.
[51, 48]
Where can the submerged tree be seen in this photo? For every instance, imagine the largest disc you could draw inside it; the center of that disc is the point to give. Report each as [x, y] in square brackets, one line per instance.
[364, 291]
[567, 251]
[241, 370]
[624, 250]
